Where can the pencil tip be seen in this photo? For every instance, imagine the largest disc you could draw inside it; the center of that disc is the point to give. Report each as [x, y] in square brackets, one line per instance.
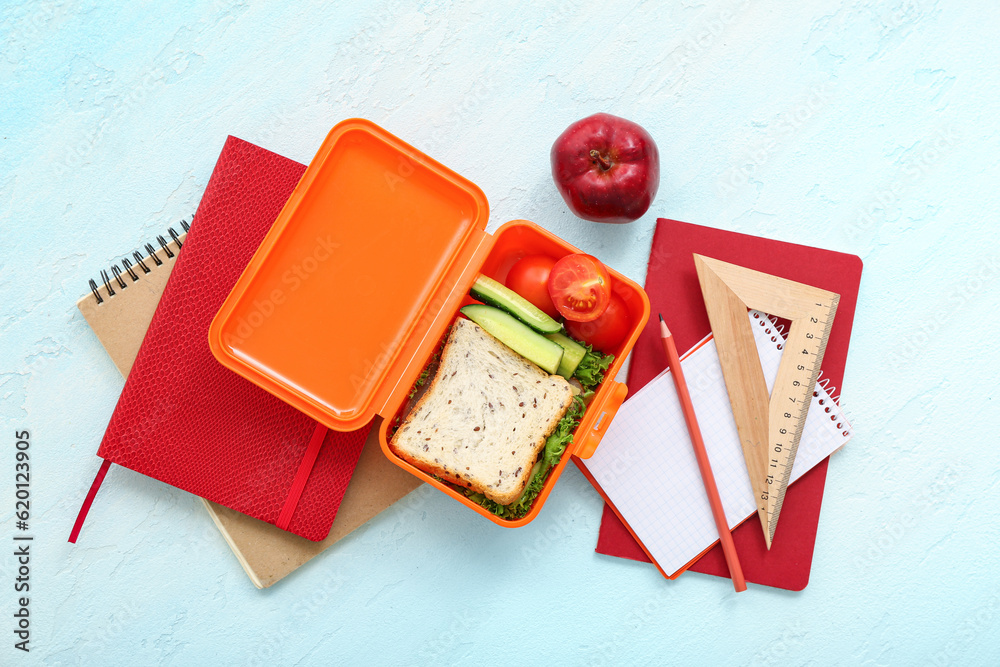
[664, 331]
[661, 316]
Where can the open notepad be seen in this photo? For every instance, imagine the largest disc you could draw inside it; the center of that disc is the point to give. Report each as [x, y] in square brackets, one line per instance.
[647, 470]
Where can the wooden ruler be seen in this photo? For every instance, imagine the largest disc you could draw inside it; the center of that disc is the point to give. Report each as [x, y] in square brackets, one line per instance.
[770, 427]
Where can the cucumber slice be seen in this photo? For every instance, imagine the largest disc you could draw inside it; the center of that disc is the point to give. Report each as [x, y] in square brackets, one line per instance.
[573, 353]
[493, 293]
[516, 335]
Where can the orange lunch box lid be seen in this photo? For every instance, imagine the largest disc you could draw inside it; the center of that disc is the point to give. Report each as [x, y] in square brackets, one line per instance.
[356, 280]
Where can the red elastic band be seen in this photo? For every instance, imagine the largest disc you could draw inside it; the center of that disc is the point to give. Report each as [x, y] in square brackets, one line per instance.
[301, 477]
[82, 516]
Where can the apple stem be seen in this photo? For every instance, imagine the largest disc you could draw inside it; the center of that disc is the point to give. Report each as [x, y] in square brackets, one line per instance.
[601, 159]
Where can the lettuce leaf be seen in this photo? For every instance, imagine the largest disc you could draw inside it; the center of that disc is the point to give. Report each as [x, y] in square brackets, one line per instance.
[562, 436]
[421, 381]
[426, 373]
[592, 367]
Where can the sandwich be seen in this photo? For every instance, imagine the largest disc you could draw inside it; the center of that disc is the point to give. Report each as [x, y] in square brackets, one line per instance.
[484, 420]
[509, 389]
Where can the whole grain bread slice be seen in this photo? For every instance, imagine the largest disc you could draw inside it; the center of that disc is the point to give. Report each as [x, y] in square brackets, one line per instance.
[485, 416]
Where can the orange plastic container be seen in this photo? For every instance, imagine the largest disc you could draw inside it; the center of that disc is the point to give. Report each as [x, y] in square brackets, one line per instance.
[365, 267]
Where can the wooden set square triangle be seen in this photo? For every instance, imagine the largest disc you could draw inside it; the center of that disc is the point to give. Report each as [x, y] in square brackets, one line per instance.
[769, 427]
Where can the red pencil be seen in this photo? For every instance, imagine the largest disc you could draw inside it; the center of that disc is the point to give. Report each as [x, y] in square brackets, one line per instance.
[732, 560]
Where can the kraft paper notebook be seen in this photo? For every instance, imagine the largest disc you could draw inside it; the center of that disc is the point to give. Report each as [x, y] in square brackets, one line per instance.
[119, 311]
[673, 288]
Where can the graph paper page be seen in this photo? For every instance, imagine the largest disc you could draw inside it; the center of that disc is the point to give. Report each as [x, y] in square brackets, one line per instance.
[646, 466]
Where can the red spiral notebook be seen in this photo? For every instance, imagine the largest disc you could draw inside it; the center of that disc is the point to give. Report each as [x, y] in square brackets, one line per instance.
[183, 418]
[673, 289]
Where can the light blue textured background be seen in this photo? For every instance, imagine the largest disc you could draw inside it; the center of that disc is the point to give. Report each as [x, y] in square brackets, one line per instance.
[864, 127]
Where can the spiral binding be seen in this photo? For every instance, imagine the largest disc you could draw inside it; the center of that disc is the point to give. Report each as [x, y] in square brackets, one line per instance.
[821, 381]
[128, 268]
[779, 329]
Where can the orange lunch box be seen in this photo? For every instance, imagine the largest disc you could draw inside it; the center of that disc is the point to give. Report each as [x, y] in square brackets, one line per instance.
[364, 269]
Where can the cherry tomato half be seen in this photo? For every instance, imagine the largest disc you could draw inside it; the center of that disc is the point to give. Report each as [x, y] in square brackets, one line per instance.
[529, 277]
[580, 287]
[607, 331]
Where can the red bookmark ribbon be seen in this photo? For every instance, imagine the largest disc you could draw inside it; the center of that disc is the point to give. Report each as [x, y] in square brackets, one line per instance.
[301, 477]
[82, 516]
[291, 501]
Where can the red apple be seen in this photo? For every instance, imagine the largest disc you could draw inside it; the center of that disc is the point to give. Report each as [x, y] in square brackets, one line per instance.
[606, 168]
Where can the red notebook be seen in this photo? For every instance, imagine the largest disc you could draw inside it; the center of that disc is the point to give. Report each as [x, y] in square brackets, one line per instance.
[186, 420]
[673, 289]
